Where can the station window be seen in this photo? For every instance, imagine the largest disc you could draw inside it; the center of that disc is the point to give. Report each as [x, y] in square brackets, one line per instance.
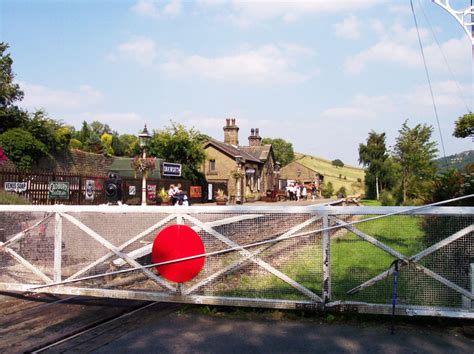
[212, 165]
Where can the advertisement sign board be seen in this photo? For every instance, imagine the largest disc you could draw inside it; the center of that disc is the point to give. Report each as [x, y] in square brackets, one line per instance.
[90, 188]
[195, 191]
[15, 187]
[171, 169]
[151, 191]
[58, 190]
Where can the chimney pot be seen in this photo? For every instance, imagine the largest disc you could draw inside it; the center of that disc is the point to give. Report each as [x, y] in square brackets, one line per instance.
[256, 132]
[227, 122]
[233, 121]
[252, 131]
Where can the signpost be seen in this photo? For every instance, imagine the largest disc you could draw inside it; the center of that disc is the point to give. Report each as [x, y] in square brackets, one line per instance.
[171, 169]
[15, 187]
[58, 190]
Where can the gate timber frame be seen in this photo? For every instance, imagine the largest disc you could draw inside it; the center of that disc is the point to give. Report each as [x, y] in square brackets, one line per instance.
[329, 216]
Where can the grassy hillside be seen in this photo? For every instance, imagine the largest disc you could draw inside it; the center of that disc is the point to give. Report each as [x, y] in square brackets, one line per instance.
[456, 161]
[349, 174]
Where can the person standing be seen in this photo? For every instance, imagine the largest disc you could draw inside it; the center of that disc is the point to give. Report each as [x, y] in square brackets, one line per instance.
[171, 194]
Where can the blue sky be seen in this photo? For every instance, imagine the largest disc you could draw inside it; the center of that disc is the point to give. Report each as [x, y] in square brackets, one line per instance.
[320, 74]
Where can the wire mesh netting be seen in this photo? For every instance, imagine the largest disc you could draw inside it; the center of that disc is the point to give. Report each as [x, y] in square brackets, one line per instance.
[253, 254]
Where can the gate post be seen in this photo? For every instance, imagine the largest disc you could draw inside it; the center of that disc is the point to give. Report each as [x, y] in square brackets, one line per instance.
[326, 261]
[58, 235]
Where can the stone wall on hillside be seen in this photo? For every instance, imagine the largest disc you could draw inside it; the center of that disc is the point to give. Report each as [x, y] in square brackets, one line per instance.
[72, 162]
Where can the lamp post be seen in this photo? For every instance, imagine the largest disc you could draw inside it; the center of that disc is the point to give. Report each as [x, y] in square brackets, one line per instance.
[143, 139]
[238, 197]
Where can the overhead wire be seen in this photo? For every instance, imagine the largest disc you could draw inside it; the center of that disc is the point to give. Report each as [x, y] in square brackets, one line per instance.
[429, 83]
[461, 95]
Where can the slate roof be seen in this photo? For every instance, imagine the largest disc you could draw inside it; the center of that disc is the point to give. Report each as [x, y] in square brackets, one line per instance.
[232, 150]
[259, 152]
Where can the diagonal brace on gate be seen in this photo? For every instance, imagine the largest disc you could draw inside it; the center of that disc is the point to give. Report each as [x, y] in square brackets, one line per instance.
[413, 260]
[115, 250]
[240, 262]
[254, 259]
[5, 247]
[121, 247]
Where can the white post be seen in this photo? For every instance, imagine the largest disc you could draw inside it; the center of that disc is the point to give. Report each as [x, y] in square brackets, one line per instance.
[326, 261]
[58, 235]
[144, 181]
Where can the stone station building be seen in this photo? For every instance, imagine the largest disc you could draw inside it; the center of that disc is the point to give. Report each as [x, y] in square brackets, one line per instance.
[243, 172]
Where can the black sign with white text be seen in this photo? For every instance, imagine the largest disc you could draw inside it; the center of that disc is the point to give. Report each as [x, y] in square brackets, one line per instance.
[171, 169]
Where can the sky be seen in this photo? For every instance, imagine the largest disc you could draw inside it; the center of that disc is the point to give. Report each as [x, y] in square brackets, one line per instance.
[320, 74]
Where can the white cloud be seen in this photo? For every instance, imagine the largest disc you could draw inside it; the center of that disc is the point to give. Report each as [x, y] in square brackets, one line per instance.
[139, 49]
[115, 118]
[399, 45]
[266, 64]
[38, 96]
[253, 12]
[348, 28]
[155, 9]
[415, 102]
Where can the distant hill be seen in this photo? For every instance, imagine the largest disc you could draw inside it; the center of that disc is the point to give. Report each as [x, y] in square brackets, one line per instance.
[349, 175]
[456, 161]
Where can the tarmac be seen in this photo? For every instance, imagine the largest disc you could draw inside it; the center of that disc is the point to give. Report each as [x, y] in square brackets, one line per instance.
[204, 333]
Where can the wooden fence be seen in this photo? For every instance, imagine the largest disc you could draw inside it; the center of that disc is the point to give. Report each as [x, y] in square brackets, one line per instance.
[38, 185]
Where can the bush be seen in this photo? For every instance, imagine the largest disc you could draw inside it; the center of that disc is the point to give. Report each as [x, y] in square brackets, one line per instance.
[328, 190]
[341, 193]
[22, 148]
[387, 199]
[12, 198]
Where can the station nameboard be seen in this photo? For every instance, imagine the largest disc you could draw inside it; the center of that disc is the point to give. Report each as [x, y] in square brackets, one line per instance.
[171, 169]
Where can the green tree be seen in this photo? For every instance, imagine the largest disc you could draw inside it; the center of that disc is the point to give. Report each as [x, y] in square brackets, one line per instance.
[106, 140]
[415, 153]
[128, 143]
[464, 126]
[178, 144]
[379, 167]
[328, 190]
[9, 91]
[341, 192]
[282, 149]
[22, 148]
[452, 184]
[100, 128]
[10, 115]
[337, 163]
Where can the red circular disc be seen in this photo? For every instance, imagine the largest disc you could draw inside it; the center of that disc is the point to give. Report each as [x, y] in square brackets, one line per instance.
[175, 242]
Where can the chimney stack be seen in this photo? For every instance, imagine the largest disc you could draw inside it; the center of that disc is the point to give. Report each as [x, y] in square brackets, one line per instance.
[231, 132]
[254, 138]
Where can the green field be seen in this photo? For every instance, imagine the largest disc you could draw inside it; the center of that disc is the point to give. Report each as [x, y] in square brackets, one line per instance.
[353, 261]
[349, 174]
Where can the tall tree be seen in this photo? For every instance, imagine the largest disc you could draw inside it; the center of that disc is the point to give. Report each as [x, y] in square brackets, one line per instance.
[9, 91]
[178, 144]
[282, 149]
[379, 169]
[10, 115]
[464, 126]
[415, 153]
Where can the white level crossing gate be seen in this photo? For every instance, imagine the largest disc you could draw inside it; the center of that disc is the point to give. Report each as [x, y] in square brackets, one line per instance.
[313, 258]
